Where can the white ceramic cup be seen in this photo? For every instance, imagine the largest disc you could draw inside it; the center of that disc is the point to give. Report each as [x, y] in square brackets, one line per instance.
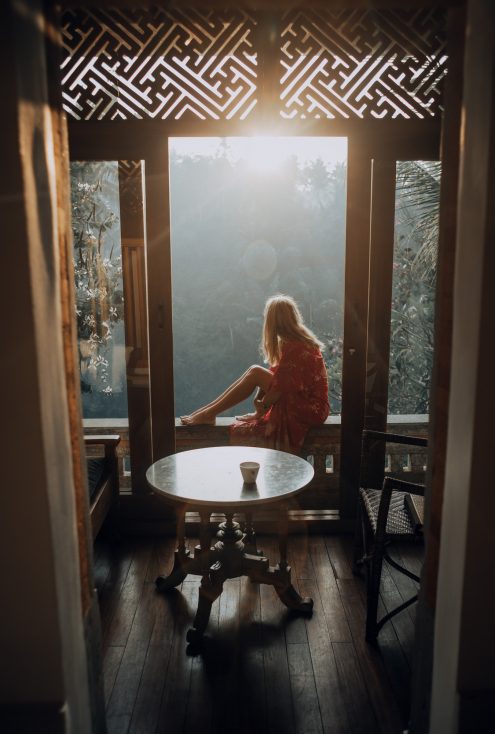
[249, 471]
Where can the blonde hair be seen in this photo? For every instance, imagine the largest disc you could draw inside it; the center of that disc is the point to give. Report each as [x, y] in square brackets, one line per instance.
[283, 322]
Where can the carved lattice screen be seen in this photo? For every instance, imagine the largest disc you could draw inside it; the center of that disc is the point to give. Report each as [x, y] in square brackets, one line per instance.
[158, 64]
[177, 63]
[363, 63]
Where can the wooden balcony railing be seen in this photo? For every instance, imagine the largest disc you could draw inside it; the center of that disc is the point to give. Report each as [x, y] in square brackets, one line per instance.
[321, 448]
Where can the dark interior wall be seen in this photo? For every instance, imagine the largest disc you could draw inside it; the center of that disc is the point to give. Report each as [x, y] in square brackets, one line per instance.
[41, 635]
[464, 645]
[439, 412]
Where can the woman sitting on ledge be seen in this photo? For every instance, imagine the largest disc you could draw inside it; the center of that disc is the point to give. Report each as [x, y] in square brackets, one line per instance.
[292, 395]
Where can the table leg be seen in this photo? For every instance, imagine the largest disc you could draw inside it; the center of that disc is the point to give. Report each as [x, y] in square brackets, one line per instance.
[283, 532]
[281, 575]
[181, 556]
[250, 536]
[210, 589]
[204, 534]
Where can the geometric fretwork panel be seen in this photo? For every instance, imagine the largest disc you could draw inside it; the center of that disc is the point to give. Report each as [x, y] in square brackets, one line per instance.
[362, 63]
[158, 63]
[131, 185]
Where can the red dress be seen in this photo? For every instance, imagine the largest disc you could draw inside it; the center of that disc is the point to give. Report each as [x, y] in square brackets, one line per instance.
[301, 379]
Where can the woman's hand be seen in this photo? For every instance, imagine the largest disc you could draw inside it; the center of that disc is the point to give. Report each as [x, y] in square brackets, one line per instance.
[259, 407]
[259, 412]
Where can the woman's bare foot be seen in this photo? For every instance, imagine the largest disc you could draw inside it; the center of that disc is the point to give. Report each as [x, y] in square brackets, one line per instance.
[247, 417]
[198, 418]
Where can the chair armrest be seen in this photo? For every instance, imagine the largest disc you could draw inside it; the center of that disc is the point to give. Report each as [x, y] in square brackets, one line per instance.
[109, 441]
[402, 486]
[373, 451]
[105, 439]
[391, 484]
[106, 497]
[369, 435]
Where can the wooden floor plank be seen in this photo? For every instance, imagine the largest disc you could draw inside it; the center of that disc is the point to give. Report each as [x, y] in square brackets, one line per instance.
[396, 664]
[340, 553]
[301, 557]
[412, 555]
[142, 622]
[335, 617]
[370, 660]
[172, 715]
[406, 586]
[401, 623]
[354, 690]
[307, 719]
[161, 558]
[324, 571]
[295, 629]
[262, 668]
[279, 700]
[155, 667]
[253, 694]
[102, 566]
[331, 704]
[109, 594]
[118, 724]
[226, 682]
[111, 665]
[120, 625]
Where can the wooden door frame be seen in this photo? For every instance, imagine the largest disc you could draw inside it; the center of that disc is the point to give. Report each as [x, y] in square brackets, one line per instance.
[148, 141]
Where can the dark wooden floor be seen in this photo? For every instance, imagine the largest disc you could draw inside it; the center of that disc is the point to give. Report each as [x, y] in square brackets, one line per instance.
[262, 668]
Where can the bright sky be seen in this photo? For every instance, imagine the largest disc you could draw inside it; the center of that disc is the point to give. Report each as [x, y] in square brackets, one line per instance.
[267, 152]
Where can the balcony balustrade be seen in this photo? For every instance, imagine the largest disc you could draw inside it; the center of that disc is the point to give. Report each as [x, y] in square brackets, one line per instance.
[321, 448]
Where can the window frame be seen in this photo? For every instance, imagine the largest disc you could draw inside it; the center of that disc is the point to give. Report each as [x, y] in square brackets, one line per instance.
[139, 140]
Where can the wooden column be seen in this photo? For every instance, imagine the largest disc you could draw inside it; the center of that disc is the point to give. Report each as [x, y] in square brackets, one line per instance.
[444, 297]
[463, 687]
[440, 379]
[89, 598]
[135, 319]
[158, 263]
[380, 306]
[355, 322]
[45, 590]
[267, 43]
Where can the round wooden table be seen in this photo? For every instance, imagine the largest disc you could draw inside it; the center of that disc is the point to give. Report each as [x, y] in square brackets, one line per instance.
[209, 480]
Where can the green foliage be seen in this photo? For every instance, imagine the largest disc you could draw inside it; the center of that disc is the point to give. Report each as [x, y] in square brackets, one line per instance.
[238, 237]
[97, 276]
[413, 297]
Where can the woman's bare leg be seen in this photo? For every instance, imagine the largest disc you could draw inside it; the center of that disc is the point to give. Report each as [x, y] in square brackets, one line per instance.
[259, 395]
[213, 403]
[254, 377]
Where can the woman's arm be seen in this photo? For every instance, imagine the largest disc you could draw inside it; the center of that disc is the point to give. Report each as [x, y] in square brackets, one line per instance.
[269, 399]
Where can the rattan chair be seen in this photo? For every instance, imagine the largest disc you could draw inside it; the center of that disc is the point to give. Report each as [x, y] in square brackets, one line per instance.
[103, 480]
[383, 516]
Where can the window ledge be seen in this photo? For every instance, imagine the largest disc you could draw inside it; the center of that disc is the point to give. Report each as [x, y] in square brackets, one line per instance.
[113, 424]
[222, 423]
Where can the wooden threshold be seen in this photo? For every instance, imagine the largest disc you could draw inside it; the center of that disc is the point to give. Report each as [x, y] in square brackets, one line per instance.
[149, 516]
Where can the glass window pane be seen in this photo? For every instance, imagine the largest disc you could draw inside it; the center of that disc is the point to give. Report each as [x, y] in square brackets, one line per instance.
[99, 288]
[252, 217]
[413, 287]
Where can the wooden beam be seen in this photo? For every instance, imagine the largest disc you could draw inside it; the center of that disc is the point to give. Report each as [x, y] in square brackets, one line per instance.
[262, 5]
[464, 645]
[440, 383]
[265, 116]
[129, 139]
[380, 303]
[135, 322]
[355, 322]
[158, 262]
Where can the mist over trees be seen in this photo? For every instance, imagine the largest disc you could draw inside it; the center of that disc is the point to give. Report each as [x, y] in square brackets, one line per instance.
[240, 234]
